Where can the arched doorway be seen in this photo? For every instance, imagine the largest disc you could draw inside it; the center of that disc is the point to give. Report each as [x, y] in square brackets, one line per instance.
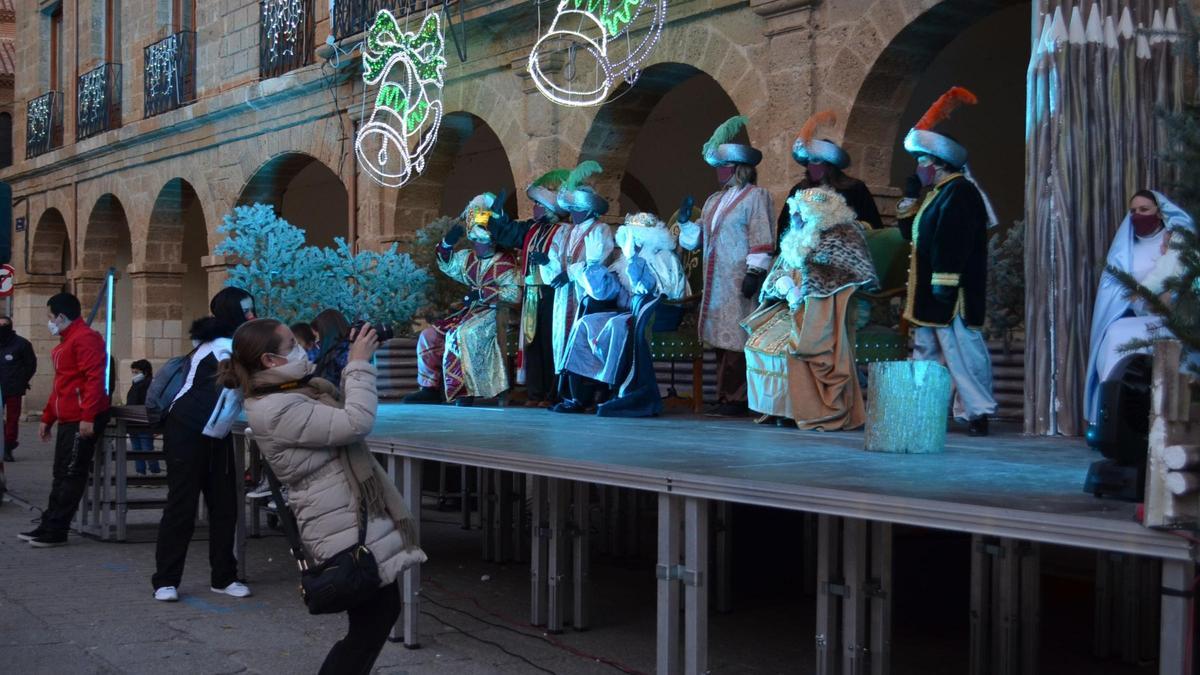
[48, 267]
[467, 160]
[648, 139]
[50, 247]
[983, 46]
[304, 192]
[178, 234]
[106, 243]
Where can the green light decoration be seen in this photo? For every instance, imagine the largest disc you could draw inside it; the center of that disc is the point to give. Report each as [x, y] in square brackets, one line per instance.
[614, 18]
[403, 127]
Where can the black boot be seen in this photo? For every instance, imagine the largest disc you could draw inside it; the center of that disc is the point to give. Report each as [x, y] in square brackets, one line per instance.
[425, 395]
[569, 405]
[465, 402]
[978, 426]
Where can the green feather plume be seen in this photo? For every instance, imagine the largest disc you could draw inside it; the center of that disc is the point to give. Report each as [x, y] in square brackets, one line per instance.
[725, 133]
[551, 180]
[581, 173]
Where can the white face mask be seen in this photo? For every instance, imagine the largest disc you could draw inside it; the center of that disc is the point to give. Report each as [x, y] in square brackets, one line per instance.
[138, 377]
[297, 354]
[54, 326]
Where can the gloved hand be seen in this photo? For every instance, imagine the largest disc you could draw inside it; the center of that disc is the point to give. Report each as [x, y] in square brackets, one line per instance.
[538, 258]
[912, 186]
[593, 246]
[752, 283]
[784, 284]
[689, 236]
[453, 234]
[685, 209]
[947, 295]
[560, 280]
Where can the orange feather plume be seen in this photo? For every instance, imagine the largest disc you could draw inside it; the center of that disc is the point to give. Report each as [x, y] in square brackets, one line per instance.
[946, 104]
[817, 120]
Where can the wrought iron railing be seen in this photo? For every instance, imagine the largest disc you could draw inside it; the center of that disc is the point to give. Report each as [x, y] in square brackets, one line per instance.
[98, 101]
[169, 75]
[43, 124]
[285, 36]
[351, 17]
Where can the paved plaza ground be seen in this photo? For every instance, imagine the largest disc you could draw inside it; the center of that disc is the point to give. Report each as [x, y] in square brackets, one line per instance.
[88, 607]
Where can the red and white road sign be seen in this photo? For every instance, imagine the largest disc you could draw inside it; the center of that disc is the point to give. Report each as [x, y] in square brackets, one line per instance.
[8, 277]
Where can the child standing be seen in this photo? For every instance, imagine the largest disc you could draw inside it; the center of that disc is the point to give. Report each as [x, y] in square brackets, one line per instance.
[141, 441]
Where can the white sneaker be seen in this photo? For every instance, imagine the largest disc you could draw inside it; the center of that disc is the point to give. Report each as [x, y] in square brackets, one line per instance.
[166, 594]
[237, 590]
[263, 490]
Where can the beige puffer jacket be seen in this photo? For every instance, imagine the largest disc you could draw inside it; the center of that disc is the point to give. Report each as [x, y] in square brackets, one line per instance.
[299, 436]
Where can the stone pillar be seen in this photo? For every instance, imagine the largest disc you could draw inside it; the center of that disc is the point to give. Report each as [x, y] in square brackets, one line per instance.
[545, 150]
[157, 311]
[790, 62]
[217, 267]
[29, 319]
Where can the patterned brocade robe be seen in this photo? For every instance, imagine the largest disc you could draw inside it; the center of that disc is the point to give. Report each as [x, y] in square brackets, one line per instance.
[737, 229]
[567, 255]
[473, 364]
[539, 239]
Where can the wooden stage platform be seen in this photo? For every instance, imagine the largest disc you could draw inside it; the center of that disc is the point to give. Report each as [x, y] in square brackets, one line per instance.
[1007, 489]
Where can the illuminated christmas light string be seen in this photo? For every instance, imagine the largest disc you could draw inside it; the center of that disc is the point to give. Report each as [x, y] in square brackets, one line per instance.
[599, 22]
[160, 66]
[284, 20]
[394, 143]
[91, 96]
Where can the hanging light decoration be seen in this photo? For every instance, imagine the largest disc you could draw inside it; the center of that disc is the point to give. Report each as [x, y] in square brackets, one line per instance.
[394, 143]
[592, 29]
[284, 22]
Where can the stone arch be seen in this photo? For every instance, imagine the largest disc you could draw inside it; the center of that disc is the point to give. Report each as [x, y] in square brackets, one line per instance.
[469, 158]
[303, 190]
[50, 245]
[909, 38]
[174, 290]
[106, 243]
[648, 138]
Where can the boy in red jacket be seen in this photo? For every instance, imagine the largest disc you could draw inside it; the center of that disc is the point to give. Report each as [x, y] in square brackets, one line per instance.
[79, 404]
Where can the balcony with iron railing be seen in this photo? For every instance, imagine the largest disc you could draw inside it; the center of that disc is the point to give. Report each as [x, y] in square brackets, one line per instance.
[44, 124]
[169, 73]
[285, 38]
[98, 101]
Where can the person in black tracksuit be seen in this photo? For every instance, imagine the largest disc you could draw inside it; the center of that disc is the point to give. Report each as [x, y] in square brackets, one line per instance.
[18, 364]
[199, 464]
[141, 441]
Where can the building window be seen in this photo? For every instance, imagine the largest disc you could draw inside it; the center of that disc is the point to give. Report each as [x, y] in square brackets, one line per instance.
[183, 15]
[6, 150]
[112, 31]
[56, 48]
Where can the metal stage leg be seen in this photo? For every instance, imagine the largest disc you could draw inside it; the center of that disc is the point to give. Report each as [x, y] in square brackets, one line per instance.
[724, 563]
[405, 473]
[1177, 576]
[631, 523]
[502, 521]
[695, 584]
[670, 519]
[854, 580]
[486, 506]
[581, 555]
[520, 518]
[808, 553]
[539, 554]
[1005, 587]
[558, 495]
[465, 496]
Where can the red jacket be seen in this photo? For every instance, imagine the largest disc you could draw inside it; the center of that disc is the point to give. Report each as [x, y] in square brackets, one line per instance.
[79, 364]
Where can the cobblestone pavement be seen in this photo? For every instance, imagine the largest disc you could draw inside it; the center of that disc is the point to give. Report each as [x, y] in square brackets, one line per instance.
[88, 607]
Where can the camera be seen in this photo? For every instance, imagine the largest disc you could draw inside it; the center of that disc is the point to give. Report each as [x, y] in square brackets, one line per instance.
[383, 331]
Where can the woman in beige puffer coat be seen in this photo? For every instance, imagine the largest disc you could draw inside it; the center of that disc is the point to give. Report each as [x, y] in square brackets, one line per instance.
[312, 435]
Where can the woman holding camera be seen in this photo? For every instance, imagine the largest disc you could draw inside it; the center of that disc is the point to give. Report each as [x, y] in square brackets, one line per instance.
[332, 344]
[311, 436]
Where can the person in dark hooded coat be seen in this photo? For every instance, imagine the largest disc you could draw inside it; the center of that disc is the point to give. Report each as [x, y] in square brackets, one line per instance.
[197, 463]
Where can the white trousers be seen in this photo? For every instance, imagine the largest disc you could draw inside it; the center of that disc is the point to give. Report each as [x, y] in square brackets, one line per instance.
[965, 354]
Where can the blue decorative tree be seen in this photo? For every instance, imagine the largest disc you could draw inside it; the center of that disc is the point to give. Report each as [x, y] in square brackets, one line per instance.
[292, 281]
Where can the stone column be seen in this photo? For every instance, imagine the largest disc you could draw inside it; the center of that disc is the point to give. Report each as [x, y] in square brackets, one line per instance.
[157, 311]
[29, 319]
[217, 267]
[545, 150]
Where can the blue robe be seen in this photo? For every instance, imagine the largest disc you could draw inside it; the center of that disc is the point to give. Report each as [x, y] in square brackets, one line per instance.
[1112, 300]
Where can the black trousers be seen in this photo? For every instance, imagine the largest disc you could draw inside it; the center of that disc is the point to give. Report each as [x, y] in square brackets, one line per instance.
[539, 353]
[197, 464]
[370, 624]
[731, 376]
[72, 464]
[586, 391]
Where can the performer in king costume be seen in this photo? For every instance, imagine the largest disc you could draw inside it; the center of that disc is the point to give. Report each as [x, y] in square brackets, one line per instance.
[537, 366]
[800, 353]
[567, 257]
[825, 164]
[738, 238]
[459, 357]
[603, 350]
[947, 276]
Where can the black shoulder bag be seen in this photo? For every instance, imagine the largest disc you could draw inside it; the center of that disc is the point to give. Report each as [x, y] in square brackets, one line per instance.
[346, 580]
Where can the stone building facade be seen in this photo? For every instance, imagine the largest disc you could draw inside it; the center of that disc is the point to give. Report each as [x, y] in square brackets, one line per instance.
[145, 190]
